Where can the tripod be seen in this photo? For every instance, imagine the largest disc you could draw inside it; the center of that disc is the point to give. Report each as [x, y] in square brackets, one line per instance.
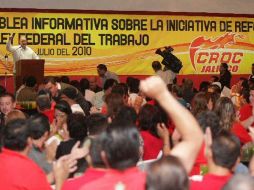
[5, 63]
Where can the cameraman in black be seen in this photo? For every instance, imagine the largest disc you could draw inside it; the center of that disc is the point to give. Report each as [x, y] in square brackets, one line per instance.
[172, 65]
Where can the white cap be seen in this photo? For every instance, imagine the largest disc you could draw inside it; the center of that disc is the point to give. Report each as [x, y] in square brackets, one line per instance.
[217, 83]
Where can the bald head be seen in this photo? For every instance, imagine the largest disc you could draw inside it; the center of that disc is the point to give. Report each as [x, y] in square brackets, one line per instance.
[92, 83]
[23, 42]
[240, 182]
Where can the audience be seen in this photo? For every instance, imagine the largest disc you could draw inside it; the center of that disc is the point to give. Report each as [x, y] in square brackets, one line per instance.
[136, 136]
[99, 98]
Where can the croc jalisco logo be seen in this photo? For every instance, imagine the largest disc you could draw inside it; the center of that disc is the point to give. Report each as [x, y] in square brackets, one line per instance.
[210, 52]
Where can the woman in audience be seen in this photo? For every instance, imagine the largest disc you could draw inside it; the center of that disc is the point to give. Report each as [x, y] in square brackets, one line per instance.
[114, 102]
[226, 111]
[76, 130]
[211, 98]
[199, 103]
[62, 110]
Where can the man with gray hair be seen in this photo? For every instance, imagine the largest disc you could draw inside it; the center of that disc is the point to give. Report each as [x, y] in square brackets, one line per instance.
[22, 51]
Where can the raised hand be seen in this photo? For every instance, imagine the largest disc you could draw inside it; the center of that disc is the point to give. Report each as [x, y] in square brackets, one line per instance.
[153, 87]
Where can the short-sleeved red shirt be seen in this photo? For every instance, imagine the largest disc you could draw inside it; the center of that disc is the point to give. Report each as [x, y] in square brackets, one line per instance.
[241, 133]
[210, 182]
[90, 175]
[152, 145]
[20, 172]
[130, 179]
[245, 112]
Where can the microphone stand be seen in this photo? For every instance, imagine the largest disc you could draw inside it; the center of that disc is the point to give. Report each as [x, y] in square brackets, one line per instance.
[5, 73]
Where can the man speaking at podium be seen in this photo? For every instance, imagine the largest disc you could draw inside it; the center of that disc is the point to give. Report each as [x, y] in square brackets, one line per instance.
[21, 51]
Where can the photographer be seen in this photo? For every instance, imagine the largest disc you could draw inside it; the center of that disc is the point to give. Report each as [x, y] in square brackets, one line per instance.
[172, 65]
[167, 76]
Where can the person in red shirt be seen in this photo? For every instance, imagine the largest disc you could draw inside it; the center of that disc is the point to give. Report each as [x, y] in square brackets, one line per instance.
[222, 155]
[225, 109]
[120, 152]
[148, 118]
[17, 171]
[95, 171]
[246, 112]
[44, 106]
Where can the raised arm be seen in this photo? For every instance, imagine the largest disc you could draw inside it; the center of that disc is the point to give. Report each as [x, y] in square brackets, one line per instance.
[9, 46]
[186, 124]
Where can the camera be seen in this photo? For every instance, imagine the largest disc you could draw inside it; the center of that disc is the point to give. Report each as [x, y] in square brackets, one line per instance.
[170, 61]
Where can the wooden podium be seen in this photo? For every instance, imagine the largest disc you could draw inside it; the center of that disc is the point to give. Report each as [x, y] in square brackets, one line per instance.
[29, 67]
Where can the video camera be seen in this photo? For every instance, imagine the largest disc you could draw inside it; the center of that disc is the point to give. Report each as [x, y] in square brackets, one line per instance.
[170, 61]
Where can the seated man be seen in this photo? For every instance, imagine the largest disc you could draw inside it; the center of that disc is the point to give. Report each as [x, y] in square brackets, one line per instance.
[167, 173]
[222, 153]
[40, 129]
[17, 170]
[120, 152]
[44, 106]
[96, 124]
[7, 104]
[95, 170]
[93, 86]
[28, 93]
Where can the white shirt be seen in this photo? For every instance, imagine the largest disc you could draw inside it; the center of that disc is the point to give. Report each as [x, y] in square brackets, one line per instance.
[89, 95]
[19, 53]
[76, 108]
[167, 76]
[109, 75]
